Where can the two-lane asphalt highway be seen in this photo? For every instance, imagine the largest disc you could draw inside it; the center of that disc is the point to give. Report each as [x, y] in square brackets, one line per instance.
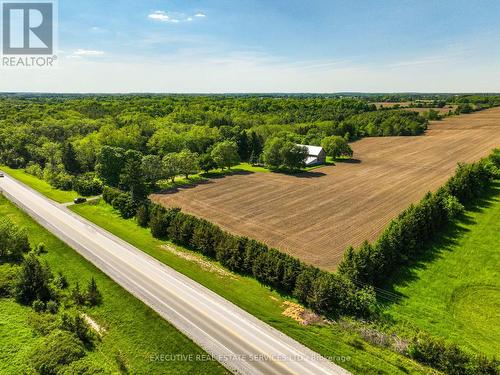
[238, 340]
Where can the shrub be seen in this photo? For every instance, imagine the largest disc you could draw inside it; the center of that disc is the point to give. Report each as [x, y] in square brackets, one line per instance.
[109, 194]
[142, 215]
[61, 180]
[43, 324]
[34, 169]
[14, 241]
[40, 248]
[83, 366]
[160, 218]
[38, 306]
[76, 325]
[8, 275]
[125, 205]
[55, 351]
[33, 281]
[87, 185]
[52, 307]
[60, 281]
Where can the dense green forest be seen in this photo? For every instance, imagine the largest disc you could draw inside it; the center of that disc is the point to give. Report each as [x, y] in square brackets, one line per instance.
[66, 134]
[71, 140]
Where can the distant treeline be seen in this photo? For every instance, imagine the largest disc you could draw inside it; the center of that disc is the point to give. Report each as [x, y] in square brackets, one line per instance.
[62, 139]
[407, 237]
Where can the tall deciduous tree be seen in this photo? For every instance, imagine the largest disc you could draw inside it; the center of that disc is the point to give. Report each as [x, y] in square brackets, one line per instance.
[272, 152]
[110, 162]
[188, 162]
[171, 166]
[336, 146]
[207, 163]
[279, 153]
[152, 169]
[294, 156]
[225, 154]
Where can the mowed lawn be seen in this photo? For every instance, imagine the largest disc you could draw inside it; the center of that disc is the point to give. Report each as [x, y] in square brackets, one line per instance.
[40, 185]
[341, 345]
[457, 295]
[132, 328]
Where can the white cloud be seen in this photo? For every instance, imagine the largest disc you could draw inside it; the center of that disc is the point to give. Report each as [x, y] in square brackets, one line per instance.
[159, 15]
[80, 53]
[87, 52]
[173, 17]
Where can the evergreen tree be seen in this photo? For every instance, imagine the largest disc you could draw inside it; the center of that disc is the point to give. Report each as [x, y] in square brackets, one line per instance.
[33, 281]
[77, 295]
[93, 295]
[132, 176]
[69, 160]
[244, 146]
[256, 144]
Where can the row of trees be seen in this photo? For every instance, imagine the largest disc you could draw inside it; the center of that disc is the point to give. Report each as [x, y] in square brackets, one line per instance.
[137, 173]
[324, 292]
[406, 237]
[449, 358]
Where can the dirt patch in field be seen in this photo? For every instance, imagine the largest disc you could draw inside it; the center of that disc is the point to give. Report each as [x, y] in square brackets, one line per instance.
[317, 215]
[93, 324]
[205, 264]
[300, 314]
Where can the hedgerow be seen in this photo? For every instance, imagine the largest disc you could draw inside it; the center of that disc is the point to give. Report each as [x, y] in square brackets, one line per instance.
[324, 292]
[406, 237]
[449, 358]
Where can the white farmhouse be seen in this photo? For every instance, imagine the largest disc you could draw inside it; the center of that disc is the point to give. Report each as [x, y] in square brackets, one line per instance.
[316, 155]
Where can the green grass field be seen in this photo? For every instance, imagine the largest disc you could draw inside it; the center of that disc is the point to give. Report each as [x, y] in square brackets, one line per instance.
[457, 294]
[332, 341]
[131, 327]
[40, 185]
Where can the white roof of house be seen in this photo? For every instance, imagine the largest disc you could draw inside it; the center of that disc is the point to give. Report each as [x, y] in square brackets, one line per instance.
[313, 150]
[311, 160]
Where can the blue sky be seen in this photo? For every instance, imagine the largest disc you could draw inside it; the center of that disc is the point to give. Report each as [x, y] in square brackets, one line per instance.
[271, 46]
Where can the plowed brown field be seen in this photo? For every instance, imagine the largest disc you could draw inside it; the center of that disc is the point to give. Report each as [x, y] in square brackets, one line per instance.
[315, 216]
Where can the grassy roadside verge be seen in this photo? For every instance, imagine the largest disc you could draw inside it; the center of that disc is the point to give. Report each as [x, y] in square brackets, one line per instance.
[457, 294]
[343, 346]
[132, 328]
[40, 185]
